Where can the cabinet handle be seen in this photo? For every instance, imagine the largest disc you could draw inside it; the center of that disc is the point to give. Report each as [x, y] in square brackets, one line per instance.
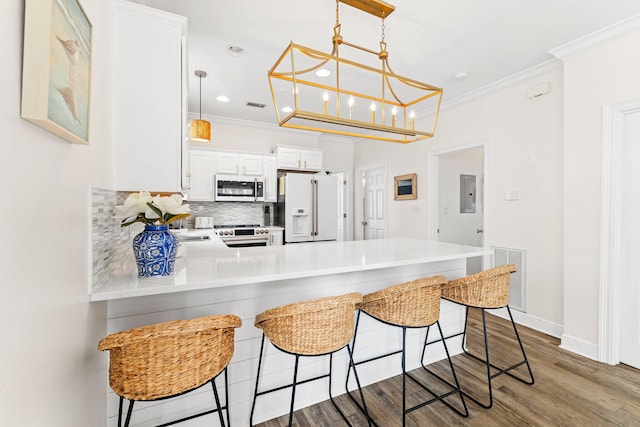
[305, 164]
[298, 163]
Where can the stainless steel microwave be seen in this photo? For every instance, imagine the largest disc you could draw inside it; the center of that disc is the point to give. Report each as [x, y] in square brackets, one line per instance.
[238, 188]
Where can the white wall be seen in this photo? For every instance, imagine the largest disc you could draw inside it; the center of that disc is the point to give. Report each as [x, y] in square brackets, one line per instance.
[607, 74]
[525, 153]
[51, 372]
[400, 159]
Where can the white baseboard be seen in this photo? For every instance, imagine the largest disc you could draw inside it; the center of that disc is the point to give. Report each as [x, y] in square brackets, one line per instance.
[524, 319]
[567, 342]
[579, 346]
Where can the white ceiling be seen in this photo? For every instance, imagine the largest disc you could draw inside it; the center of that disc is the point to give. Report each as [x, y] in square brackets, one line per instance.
[428, 41]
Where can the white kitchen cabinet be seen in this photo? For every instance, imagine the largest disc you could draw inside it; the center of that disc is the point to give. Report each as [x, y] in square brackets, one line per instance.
[202, 169]
[270, 167]
[249, 164]
[239, 164]
[149, 57]
[293, 158]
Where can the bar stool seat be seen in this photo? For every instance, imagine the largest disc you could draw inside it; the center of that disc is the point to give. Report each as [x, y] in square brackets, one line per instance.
[310, 328]
[488, 289]
[414, 304]
[169, 359]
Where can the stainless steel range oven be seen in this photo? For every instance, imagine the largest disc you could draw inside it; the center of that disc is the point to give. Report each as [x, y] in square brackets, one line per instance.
[243, 235]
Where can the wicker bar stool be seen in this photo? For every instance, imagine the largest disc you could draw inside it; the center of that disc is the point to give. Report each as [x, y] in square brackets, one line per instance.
[488, 289]
[310, 328]
[169, 359]
[414, 304]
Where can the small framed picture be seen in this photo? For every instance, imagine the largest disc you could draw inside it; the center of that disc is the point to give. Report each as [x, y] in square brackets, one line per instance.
[405, 187]
[56, 68]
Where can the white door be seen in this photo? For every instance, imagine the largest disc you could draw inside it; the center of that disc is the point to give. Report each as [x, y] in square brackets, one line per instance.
[374, 203]
[460, 200]
[630, 253]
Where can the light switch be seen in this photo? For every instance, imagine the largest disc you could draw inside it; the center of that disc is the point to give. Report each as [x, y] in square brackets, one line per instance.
[511, 195]
[415, 209]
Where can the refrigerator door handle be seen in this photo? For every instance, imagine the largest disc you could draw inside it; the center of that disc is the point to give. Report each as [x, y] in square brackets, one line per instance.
[314, 206]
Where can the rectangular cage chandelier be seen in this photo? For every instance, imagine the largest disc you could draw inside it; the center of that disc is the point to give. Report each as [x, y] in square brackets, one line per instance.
[357, 97]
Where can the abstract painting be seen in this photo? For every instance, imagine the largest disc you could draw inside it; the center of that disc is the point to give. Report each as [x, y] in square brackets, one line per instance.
[56, 77]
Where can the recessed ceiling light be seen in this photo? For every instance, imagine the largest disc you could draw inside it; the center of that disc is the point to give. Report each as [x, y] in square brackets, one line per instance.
[287, 109]
[236, 51]
[323, 72]
[222, 98]
[459, 76]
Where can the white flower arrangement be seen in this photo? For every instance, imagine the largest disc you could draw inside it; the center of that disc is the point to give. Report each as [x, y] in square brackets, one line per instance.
[152, 210]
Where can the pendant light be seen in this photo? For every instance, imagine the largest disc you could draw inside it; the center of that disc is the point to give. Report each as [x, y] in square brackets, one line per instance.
[200, 129]
[327, 92]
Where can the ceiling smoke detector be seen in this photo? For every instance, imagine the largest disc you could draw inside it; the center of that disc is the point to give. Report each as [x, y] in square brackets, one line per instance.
[255, 104]
[459, 76]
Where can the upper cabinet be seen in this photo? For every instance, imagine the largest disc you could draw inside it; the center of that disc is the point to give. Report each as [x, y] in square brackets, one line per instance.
[149, 55]
[293, 158]
[202, 165]
[239, 164]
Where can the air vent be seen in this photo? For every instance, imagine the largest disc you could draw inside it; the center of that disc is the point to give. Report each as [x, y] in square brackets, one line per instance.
[255, 104]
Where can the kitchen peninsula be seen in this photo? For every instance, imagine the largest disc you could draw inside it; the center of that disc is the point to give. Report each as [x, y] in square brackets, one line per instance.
[211, 278]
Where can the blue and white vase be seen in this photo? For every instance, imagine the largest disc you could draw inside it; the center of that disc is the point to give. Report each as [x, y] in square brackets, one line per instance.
[155, 250]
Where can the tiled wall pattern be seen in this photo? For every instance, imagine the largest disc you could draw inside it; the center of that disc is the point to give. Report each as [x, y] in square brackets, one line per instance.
[111, 244]
[226, 213]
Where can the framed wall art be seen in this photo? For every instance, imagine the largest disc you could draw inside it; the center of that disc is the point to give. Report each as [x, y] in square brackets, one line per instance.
[405, 187]
[56, 68]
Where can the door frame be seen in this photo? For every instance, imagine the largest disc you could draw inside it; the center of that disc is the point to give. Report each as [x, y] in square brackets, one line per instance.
[358, 190]
[611, 233]
[433, 198]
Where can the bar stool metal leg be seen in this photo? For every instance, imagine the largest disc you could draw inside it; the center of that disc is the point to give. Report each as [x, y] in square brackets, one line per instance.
[455, 388]
[312, 328]
[487, 361]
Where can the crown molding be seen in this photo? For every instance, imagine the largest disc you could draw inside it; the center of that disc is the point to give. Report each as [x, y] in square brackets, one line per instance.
[511, 80]
[611, 32]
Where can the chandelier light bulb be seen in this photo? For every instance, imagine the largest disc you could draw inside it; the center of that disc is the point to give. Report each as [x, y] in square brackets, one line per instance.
[351, 102]
[325, 102]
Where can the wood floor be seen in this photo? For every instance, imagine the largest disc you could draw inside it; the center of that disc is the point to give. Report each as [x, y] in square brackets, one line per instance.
[569, 390]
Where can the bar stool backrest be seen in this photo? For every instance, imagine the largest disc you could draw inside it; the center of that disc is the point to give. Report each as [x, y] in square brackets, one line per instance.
[311, 327]
[487, 289]
[412, 304]
[169, 358]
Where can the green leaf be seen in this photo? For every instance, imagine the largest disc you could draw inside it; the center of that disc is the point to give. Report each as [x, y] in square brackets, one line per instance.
[155, 209]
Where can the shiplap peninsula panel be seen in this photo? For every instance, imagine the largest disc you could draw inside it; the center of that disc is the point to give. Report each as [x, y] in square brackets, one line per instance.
[252, 299]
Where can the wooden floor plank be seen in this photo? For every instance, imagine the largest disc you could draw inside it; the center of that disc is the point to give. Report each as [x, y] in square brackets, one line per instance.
[570, 390]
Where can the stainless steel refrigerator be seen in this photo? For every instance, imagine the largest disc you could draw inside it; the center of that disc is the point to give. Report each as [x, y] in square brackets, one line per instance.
[307, 207]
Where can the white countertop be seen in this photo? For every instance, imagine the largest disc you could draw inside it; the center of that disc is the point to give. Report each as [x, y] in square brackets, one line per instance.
[210, 264]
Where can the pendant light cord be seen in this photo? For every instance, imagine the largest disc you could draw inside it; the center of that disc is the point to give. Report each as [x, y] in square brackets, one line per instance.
[200, 97]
